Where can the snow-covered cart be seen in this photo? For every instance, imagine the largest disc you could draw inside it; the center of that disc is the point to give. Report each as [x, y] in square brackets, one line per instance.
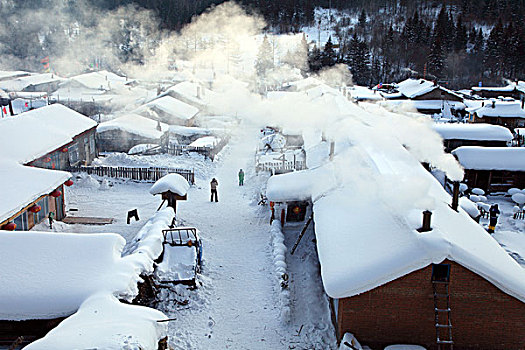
[181, 258]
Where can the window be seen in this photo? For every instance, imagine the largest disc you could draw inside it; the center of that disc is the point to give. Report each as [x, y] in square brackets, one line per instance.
[92, 143]
[73, 154]
[441, 272]
[21, 222]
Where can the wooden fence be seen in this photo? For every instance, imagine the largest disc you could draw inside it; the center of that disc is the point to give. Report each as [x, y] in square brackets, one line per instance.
[144, 174]
[278, 166]
[208, 152]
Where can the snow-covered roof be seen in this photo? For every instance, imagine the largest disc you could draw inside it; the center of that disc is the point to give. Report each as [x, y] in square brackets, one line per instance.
[172, 106]
[481, 132]
[174, 183]
[193, 93]
[412, 88]
[427, 104]
[4, 74]
[102, 322]
[22, 185]
[47, 275]
[491, 158]
[206, 141]
[188, 130]
[508, 88]
[102, 80]
[501, 109]
[35, 133]
[19, 84]
[368, 180]
[304, 84]
[134, 124]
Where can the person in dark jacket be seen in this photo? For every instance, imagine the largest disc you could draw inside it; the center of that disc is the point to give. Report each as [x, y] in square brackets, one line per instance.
[213, 185]
[493, 213]
[51, 218]
[241, 178]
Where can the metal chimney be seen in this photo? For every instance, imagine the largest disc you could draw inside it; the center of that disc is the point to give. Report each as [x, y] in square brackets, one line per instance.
[426, 222]
[455, 196]
[332, 149]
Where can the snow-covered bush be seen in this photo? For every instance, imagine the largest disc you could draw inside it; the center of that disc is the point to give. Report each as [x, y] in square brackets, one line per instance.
[281, 274]
[478, 191]
[475, 198]
[519, 198]
[513, 191]
[463, 187]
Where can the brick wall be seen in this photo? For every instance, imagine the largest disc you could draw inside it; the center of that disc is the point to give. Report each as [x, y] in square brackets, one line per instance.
[402, 311]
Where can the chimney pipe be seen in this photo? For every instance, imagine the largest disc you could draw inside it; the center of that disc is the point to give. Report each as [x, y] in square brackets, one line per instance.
[426, 222]
[455, 196]
[332, 149]
[522, 102]
[493, 104]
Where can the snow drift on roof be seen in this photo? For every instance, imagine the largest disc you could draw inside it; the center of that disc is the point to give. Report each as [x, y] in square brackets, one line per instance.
[491, 158]
[206, 141]
[49, 275]
[102, 322]
[21, 185]
[415, 87]
[170, 105]
[134, 124]
[501, 109]
[174, 183]
[21, 83]
[188, 130]
[367, 205]
[33, 134]
[485, 132]
[102, 80]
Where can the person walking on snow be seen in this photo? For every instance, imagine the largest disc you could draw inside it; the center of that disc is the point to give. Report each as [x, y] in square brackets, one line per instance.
[493, 213]
[241, 178]
[51, 218]
[213, 185]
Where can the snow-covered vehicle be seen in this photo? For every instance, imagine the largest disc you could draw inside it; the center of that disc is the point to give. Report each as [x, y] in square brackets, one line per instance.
[181, 258]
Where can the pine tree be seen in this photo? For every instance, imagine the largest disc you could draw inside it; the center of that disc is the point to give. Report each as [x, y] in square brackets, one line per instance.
[314, 59]
[460, 41]
[328, 56]
[436, 57]
[264, 58]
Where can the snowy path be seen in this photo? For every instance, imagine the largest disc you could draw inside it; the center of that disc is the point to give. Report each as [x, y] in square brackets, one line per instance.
[235, 307]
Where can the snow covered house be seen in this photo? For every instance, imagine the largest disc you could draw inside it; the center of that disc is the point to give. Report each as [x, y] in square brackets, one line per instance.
[127, 131]
[73, 282]
[391, 278]
[45, 82]
[487, 135]
[29, 195]
[515, 90]
[492, 169]
[509, 114]
[194, 94]
[53, 137]
[426, 96]
[169, 110]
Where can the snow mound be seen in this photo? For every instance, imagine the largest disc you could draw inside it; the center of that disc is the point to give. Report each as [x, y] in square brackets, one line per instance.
[478, 191]
[102, 322]
[469, 206]
[141, 148]
[281, 273]
[513, 191]
[519, 198]
[56, 272]
[178, 264]
[174, 183]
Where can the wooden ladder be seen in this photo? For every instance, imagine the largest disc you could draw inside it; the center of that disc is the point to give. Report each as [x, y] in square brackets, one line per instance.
[442, 315]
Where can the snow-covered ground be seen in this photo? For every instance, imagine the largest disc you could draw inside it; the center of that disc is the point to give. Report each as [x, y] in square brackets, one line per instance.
[237, 305]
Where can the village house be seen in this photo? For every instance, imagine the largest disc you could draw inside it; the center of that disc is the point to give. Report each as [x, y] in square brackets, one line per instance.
[426, 96]
[169, 110]
[30, 194]
[79, 306]
[44, 82]
[493, 169]
[509, 114]
[53, 137]
[127, 131]
[514, 90]
[487, 135]
[397, 273]
[194, 94]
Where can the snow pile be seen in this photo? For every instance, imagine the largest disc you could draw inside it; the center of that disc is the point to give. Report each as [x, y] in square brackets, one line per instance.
[469, 206]
[148, 241]
[55, 272]
[207, 141]
[485, 132]
[348, 342]
[23, 185]
[134, 124]
[178, 264]
[102, 322]
[87, 181]
[281, 273]
[491, 158]
[174, 183]
[35, 133]
[143, 147]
